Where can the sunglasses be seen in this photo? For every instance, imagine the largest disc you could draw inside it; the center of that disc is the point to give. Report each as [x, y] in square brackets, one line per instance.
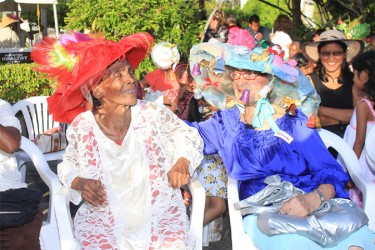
[334, 53]
[247, 76]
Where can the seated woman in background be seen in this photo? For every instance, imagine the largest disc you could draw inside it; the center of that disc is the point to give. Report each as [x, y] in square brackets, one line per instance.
[126, 158]
[332, 77]
[264, 135]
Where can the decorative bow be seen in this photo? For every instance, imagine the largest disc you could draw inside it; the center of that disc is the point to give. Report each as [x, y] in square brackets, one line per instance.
[264, 111]
[210, 83]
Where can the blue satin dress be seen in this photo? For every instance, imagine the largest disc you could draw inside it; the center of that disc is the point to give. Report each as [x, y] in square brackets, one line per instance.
[250, 156]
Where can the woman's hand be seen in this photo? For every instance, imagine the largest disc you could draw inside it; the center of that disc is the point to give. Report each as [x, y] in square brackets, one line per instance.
[296, 206]
[93, 191]
[303, 205]
[179, 174]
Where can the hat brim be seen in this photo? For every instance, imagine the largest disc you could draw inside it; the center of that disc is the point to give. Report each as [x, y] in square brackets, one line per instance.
[354, 48]
[7, 22]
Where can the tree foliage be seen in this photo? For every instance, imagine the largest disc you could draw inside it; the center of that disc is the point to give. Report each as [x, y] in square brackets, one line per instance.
[175, 21]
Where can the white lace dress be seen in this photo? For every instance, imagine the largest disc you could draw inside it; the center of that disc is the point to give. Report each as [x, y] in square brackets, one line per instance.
[143, 211]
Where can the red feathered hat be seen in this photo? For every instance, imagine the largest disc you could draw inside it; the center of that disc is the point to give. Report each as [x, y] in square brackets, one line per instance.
[78, 62]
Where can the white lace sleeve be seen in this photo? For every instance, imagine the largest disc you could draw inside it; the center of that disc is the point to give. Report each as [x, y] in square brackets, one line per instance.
[185, 141]
[81, 156]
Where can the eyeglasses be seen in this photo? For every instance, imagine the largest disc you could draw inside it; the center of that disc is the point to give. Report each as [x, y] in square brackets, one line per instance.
[334, 53]
[247, 76]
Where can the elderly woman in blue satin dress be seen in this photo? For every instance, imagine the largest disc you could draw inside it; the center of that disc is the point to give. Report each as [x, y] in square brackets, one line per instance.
[269, 131]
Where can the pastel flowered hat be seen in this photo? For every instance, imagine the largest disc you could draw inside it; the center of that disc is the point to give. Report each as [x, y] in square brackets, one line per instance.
[217, 60]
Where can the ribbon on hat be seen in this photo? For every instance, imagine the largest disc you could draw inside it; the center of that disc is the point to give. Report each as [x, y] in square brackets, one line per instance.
[264, 111]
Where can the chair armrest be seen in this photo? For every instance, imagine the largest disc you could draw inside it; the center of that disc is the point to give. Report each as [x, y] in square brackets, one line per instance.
[352, 166]
[240, 240]
[198, 204]
[64, 220]
[45, 172]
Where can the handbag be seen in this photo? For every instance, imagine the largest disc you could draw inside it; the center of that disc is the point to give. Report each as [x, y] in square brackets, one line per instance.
[51, 142]
[329, 224]
[18, 206]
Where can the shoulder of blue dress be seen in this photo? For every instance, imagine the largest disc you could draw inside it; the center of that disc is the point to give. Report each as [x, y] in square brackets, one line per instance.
[231, 119]
[287, 122]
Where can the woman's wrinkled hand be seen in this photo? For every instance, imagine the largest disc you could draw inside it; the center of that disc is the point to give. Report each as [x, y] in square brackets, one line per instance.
[92, 191]
[179, 174]
[300, 205]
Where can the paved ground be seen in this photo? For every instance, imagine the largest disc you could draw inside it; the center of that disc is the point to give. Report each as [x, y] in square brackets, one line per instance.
[34, 181]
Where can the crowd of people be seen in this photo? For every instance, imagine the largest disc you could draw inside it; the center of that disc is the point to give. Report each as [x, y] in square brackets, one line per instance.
[246, 105]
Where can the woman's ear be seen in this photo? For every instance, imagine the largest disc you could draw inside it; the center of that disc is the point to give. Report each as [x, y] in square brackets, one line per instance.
[363, 76]
[97, 92]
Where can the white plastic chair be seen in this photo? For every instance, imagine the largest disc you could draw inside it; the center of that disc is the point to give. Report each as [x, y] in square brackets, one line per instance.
[49, 234]
[241, 241]
[66, 228]
[37, 120]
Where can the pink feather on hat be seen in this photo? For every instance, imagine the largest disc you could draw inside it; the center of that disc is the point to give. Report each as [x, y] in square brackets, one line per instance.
[238, 36]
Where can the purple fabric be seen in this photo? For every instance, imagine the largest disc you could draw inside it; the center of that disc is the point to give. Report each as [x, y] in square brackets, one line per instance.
[250, 156]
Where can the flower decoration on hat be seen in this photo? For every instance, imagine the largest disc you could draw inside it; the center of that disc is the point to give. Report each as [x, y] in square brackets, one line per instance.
[77, 62]
[165, 55]
[355, 29]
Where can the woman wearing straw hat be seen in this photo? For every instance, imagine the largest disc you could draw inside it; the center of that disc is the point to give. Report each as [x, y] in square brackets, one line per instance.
[126, 158]
[332, 78]
[8, 37]
[265, 139]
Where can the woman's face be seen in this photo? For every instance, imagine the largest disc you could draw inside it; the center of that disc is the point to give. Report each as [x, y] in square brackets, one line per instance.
[119, 85]
[332, 57]
[250, 80]
[215, 22]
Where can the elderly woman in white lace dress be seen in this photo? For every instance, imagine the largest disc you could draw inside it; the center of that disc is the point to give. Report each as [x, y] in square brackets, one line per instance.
[126, 158]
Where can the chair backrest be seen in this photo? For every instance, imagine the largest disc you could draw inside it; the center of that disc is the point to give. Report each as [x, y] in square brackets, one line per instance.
[35, 114]
[49, 234]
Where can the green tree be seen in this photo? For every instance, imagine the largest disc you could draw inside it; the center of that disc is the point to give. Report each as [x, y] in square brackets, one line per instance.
[176, 21]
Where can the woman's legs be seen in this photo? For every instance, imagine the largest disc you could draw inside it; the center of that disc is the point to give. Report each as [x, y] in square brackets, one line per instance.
[214, 208]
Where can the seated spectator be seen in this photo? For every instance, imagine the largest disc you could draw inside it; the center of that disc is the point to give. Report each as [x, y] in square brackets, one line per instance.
[23, 236]
[165, 57]
[217, 28]
[127, 158]
[263, 136]
[8, 37]
[316, 35]
[257, 31]
[305, 65]
[283, 28]
[332, 78]
[295, 48]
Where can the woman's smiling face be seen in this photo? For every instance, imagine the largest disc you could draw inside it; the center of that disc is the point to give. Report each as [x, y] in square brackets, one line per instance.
[332, 57]
[119, 84]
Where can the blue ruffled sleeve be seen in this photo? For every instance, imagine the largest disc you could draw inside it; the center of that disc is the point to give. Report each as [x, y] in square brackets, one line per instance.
[212, 132]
